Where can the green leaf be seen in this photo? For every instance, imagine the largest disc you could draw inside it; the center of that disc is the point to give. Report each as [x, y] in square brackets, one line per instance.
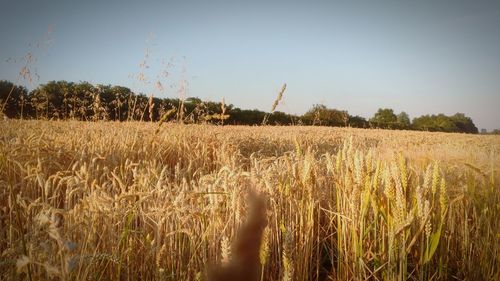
[434, 242]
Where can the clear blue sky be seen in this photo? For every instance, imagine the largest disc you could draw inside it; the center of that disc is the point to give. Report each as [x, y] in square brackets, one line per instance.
[414, 56]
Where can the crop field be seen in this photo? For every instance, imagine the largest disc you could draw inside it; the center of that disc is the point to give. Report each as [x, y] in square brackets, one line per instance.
[136, 201]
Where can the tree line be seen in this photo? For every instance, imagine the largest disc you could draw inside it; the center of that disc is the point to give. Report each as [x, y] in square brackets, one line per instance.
[62, 100]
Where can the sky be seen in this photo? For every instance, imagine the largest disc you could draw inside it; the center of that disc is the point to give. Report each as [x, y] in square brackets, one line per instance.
[421, 57]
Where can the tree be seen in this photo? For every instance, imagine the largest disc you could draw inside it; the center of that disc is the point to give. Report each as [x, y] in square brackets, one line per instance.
[320, 115]
[456, 123]
[464, 123]
[12, 99]
[84, 101]
[358, 122]
[119, 105]
[403, 120]
[384, 118]
[239, 116]
[280, 118]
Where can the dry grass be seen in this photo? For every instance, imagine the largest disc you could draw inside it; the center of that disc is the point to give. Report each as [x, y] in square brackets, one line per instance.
[117, 201]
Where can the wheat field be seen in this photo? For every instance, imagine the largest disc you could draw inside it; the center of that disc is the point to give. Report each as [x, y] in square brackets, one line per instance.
[132, 201]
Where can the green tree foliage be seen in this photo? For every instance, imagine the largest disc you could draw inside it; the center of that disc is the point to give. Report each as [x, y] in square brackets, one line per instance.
[282, 118]
[51, 100]
[86, 102]
[320, 115]
[246, 117]
[403, 120]
[13, 99]
[384, 118]
[464, 123]
[455, 123]
[358, 122]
